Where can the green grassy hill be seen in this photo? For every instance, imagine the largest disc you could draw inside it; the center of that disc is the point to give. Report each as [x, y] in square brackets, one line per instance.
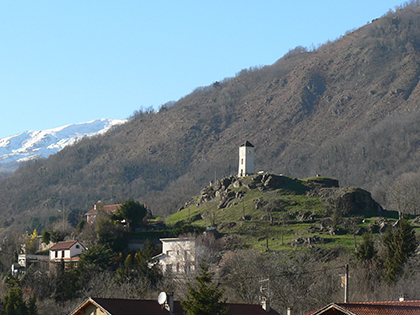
[285, 213]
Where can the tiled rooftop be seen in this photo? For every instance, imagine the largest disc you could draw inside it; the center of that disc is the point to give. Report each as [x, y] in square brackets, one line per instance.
[152, 307]
[371, 308]
[108, 208]
[63, 245]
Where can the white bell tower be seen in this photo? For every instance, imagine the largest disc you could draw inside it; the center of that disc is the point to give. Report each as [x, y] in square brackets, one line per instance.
[246, 159]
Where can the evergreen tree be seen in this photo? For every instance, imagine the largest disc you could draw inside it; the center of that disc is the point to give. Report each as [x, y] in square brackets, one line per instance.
[46, 237]
[366, 251]
[101, 256]
[400, 244]
[13, 302]
[137, 266]
[32, 309]
[110, 233]
[204, 296]
[66, 282]
[133, 212]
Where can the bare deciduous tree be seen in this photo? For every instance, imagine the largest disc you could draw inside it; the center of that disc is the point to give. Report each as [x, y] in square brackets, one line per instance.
[240, 272]
[404, 195]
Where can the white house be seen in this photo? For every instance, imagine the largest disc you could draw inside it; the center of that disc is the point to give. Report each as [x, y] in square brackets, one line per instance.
[246, 159]
[178, 255]
[25, 260]
[68, 251]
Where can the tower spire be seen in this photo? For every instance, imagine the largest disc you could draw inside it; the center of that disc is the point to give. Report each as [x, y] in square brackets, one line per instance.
[246, 159]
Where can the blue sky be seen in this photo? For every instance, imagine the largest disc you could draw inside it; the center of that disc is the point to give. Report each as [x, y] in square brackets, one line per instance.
[64, 62]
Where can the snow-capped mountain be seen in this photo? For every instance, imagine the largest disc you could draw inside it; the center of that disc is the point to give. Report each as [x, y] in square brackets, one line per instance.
[42, 143]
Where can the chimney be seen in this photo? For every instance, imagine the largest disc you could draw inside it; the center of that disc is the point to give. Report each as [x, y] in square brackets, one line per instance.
[265, 303]
[169, 305]
[95, 206]
[289, 311]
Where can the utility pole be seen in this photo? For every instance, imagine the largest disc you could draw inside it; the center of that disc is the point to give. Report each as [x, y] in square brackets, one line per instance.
[64, 214]
[266, 237]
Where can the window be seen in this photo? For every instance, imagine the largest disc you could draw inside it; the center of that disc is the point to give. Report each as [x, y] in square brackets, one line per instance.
[56, 254]
[77, 246]
[62, 254]
[242, 161]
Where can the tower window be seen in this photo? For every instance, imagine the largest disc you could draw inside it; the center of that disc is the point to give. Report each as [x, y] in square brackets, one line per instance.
[242, 161]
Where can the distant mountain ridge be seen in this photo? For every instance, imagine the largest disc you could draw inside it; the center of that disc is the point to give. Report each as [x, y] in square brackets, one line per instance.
[34, 144]
[349, 110]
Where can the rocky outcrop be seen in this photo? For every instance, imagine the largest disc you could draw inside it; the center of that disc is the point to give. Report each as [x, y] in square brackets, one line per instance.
[269, 181]
[348, 200]
[259, 203]
[322, 182]
[218, 189]
[225, 198]
[309, 241]
[379, 226]
[357, 201]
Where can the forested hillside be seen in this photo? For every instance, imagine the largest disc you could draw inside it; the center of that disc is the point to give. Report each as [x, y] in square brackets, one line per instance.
[348, 109]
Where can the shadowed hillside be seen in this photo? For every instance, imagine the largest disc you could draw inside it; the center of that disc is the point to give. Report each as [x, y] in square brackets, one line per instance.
[347, 110]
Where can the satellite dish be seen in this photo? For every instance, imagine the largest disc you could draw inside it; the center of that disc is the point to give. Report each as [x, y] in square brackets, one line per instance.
[162, 298]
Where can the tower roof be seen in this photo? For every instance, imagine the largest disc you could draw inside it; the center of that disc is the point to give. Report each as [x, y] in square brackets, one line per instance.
[247, 144]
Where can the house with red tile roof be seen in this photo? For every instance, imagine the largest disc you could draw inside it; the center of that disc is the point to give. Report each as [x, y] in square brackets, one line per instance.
[371, 308]
[68, 251]
[100, 306]
[92, 214]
